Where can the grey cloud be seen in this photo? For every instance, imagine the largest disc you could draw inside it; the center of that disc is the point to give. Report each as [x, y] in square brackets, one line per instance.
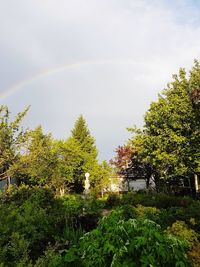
[38, 35]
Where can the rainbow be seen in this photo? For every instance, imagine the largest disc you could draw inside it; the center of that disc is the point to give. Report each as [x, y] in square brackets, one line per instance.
[46, 73]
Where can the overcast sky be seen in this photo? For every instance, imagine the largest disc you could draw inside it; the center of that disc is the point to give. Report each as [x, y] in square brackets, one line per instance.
[105, 59]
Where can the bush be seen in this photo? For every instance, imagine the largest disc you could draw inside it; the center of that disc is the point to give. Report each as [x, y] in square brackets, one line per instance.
[81, 212]
[183, 232]
[135, 242]
[73, 207]
[142, 212]
[29, 224]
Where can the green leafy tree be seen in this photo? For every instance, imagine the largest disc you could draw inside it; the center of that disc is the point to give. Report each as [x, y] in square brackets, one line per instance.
[69, 171]
[11, 138]
[170, 139]
[103, 176]
[37, 163]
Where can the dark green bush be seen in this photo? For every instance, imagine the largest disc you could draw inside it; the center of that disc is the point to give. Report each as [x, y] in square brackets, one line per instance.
[33, 221]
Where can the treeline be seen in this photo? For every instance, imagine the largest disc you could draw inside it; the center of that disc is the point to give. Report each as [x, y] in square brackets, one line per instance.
[34, 158]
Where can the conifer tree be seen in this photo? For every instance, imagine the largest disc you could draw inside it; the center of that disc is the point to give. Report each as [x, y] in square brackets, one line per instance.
[86, 142]
[82, 135]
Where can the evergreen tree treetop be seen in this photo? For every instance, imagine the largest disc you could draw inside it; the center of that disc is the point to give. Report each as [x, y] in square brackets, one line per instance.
[82, 135]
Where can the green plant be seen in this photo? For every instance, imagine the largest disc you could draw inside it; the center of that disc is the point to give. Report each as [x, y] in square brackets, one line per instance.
[31, 218]
[146, 212]
[183, 232]
[73, 207]
[135, 242]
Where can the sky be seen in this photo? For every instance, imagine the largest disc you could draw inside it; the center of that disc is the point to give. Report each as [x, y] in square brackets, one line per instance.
[104, 59]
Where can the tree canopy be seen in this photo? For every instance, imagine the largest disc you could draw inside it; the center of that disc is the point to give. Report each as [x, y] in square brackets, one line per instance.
[169, 142]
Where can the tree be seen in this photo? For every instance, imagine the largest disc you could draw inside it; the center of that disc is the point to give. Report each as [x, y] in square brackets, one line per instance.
[11, 138]
[83, 138]
[130, 165]
[69, 172]
[170, 138]
[82, 135]
[103, 176]
[38, 163]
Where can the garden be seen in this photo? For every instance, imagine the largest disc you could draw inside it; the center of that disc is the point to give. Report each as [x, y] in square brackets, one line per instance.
[47, 219]
[134, 229]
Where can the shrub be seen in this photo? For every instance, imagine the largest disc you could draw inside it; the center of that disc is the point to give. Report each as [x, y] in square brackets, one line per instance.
[73, 207]
[134, 242]
[28, 225]
[142, 212]
[182, 231]
[81, 212]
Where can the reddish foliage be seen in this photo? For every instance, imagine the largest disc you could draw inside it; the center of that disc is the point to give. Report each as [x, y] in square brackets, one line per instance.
[123, 158]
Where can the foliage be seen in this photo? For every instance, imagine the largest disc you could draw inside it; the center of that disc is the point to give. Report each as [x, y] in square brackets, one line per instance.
[11, 138]
[81, 134]
[146, 212]
[102, 177]
[134, 242]
[153, 199]
[122, 158]
[37, 164]
[73, 207]
[70, 160]
[182, 231]
[50, 259]
[37, 218]
[130, 166]
[170, 137]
